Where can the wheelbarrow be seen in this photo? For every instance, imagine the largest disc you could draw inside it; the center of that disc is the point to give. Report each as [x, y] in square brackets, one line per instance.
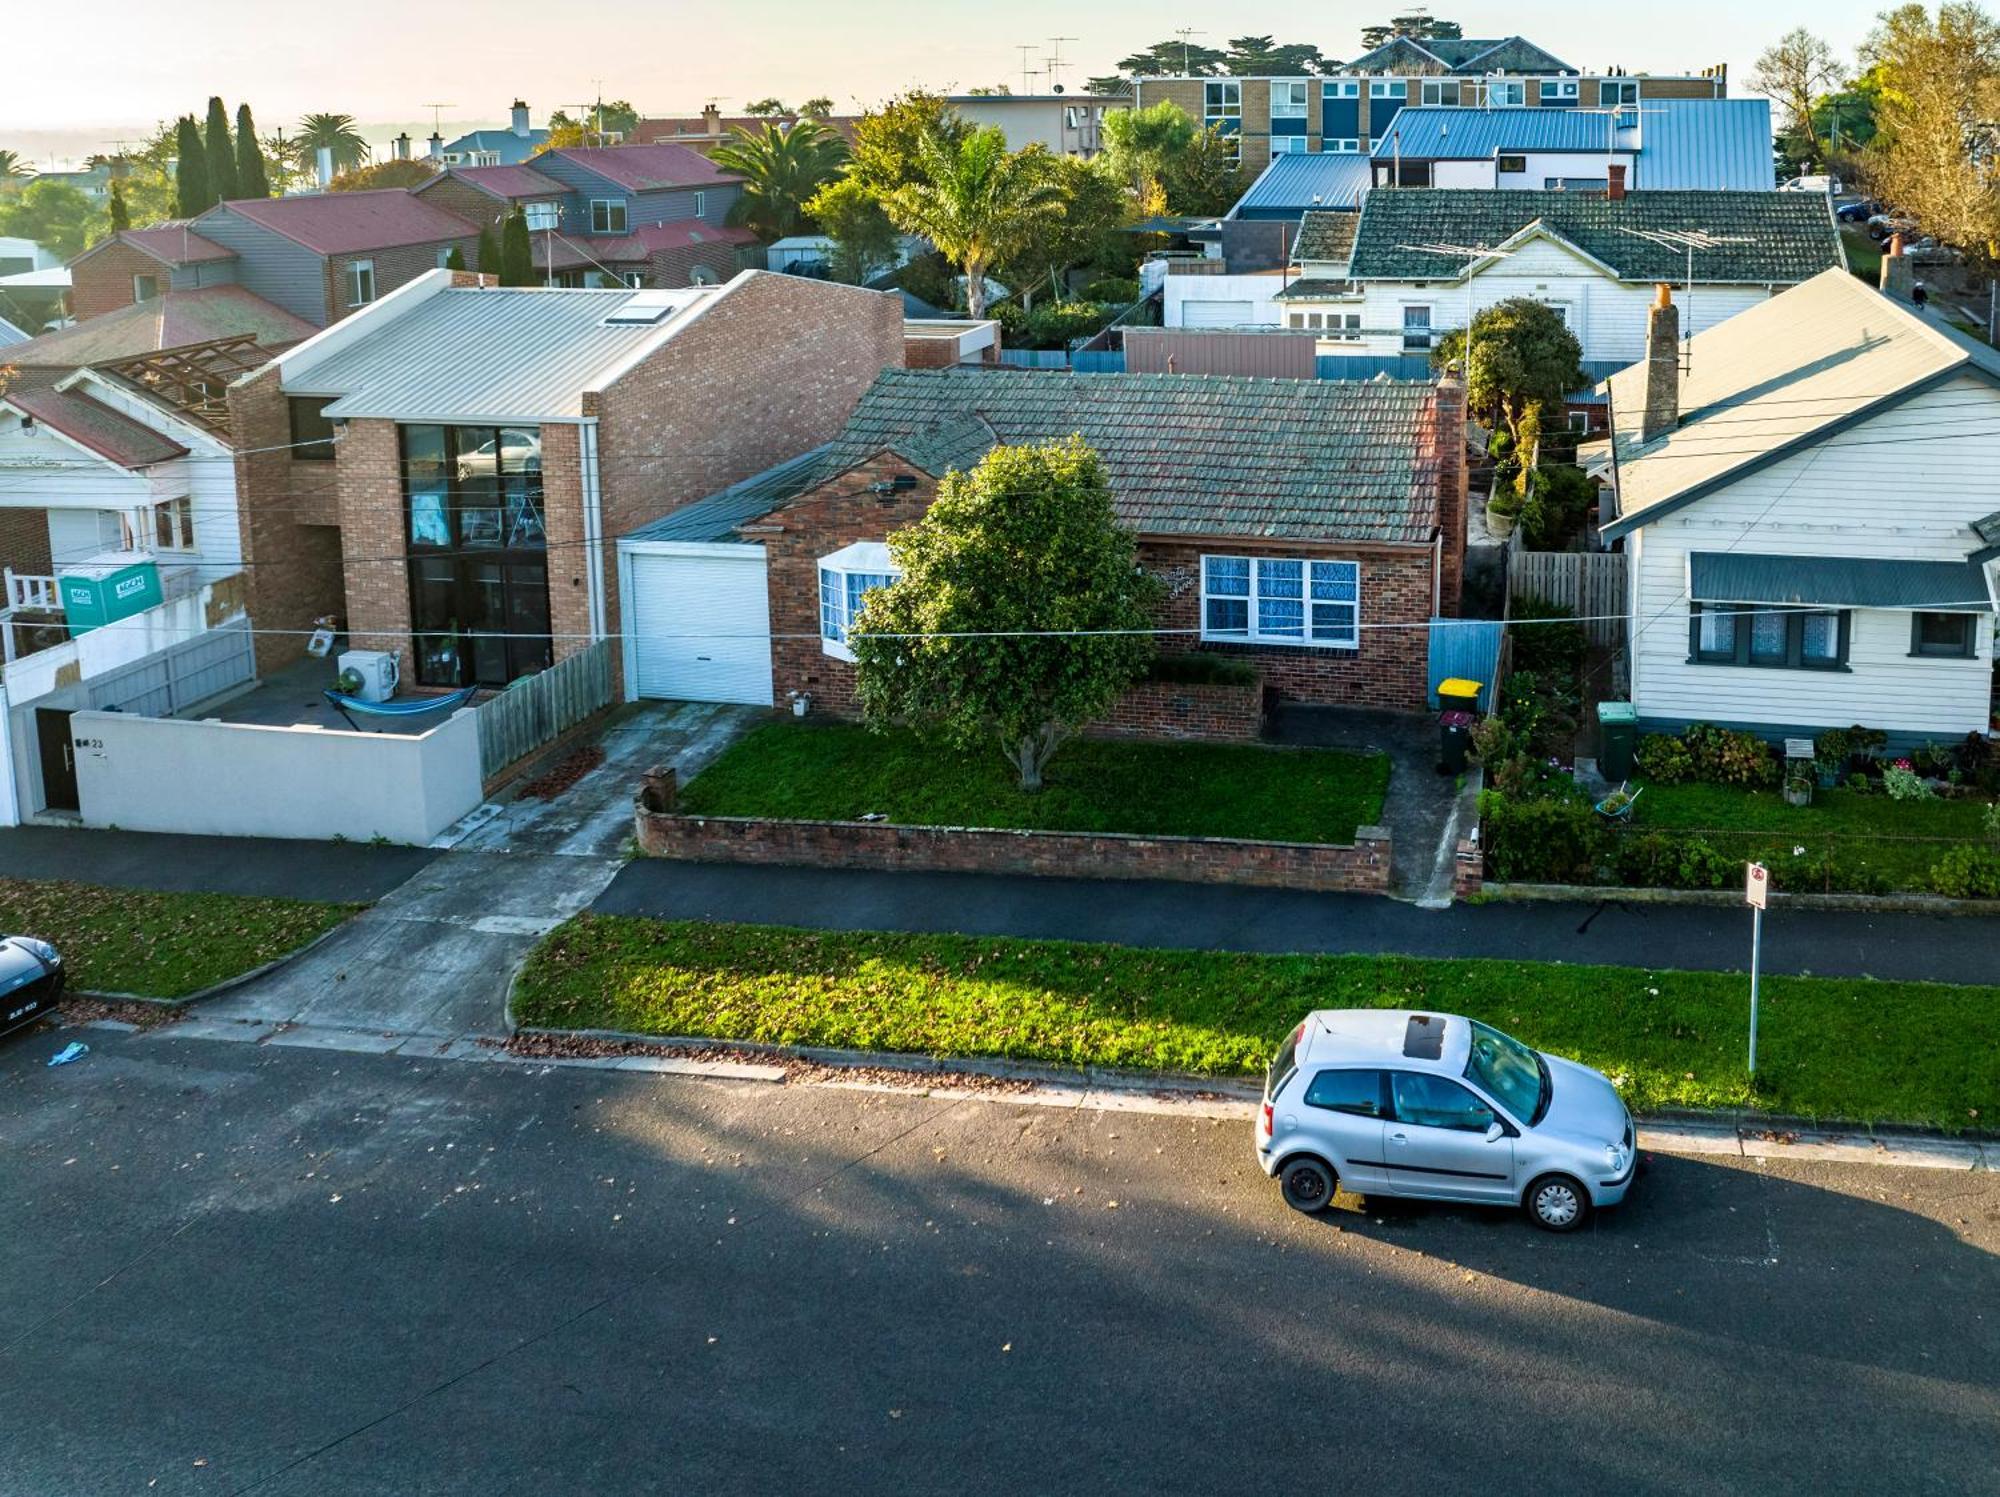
[1617, 806]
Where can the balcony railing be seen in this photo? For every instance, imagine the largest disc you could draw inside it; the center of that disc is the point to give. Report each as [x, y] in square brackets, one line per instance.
[25, 592]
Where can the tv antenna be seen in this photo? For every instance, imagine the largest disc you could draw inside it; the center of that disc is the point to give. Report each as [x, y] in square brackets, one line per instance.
[437, 112]
[1055, 61]
[1184, 33]
[1024, 48]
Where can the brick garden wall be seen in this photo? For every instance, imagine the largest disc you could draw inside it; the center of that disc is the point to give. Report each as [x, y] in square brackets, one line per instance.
[1193, 712]
[1362, 867]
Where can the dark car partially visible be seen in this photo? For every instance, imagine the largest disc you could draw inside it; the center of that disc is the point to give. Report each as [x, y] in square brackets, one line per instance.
[31, 981]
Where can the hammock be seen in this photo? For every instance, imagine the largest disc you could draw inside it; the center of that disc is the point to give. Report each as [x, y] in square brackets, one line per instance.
[410, 707]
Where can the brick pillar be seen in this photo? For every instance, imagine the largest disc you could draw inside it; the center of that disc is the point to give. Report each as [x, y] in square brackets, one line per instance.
[372, 540]
[1449, 437]
[569, 559]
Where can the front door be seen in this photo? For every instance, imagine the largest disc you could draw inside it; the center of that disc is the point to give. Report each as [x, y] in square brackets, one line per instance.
[1436, 1144]
[58, 759]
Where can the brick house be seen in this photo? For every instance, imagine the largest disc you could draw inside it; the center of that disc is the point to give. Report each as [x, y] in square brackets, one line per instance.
[317, 257]
[639, 216]
[1294, 524]
[472, 451]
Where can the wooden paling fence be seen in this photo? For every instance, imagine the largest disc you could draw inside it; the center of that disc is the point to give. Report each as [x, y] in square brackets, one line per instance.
[540, 708]
[1592, 583]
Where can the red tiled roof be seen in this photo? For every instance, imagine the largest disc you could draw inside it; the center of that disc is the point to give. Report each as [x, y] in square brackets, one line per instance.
[667, 132]
[172, 320]
[641, 244]
[340, 223]
[172, 243]
[92, 424]
[503, 181]
[645, 168]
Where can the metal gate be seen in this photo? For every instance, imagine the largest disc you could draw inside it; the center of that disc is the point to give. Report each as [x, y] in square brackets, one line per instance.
[171, 680]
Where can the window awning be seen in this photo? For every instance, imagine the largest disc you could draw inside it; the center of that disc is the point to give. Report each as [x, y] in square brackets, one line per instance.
[1836, 581]
[862, 556]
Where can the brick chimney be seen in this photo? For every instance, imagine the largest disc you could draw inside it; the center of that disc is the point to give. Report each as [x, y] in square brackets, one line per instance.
[1614, 185]
[1663, 367]
[711, 120]
[1898, 276]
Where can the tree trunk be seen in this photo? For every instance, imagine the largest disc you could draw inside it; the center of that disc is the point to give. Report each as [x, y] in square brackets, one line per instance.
[975, 287]
[1031, 752]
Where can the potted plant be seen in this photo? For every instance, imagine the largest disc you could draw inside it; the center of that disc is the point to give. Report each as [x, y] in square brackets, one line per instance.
[1799, 783]
[1502, 510]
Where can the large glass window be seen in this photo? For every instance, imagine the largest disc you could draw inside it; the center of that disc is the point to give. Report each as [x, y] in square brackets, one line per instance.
[1503, 93]
[1614, 93]
[607, 215]
[1223, 100]
[845, 580]
[1281, 601]
[477, 538]
[1416, 329]
[1775, 637]
[541, 216]
[360, 282]
[1288, 100]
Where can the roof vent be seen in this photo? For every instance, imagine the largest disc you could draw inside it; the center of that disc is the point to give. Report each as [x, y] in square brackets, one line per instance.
[644, 309]
[1423, 1038]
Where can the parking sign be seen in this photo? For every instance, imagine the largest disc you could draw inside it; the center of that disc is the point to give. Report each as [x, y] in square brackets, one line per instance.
[1756, 882]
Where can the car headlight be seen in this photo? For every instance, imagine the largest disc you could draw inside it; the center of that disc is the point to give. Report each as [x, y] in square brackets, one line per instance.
[1615, 1157]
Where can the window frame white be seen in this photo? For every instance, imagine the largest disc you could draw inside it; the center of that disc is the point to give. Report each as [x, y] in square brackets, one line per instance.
[360, 278]
[1558, 89]
[700, 203]
[1430, 91]
[1512, 93]
[145, 287]
[541, 217]
[1340, 88]
[602, 223]
[1389, 88]
[1345, 145]
[1430, 328]
[1222, 99]
[1309, 637]
[861, 559]
[1297, 92]
[1290, 145]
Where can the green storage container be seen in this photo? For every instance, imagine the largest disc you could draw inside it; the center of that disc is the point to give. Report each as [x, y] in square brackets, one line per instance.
[1618, 731]
[106, 589]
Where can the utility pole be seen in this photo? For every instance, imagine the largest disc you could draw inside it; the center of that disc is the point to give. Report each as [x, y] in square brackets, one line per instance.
[1756, 887]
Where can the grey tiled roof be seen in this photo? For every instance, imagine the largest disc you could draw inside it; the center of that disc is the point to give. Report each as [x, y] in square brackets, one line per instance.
[1764, 237]
[716, 517]
[1325, 236]
[1318, 289]
[1188, 454]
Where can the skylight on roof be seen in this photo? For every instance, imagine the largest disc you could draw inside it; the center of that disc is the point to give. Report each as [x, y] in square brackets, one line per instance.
[644, 309]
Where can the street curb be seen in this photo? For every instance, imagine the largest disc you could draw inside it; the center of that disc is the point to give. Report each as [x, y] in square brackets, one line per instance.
[1867, 904]
[228, 984]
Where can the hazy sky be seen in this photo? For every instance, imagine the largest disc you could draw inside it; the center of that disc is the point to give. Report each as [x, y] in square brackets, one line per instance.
[137, 69]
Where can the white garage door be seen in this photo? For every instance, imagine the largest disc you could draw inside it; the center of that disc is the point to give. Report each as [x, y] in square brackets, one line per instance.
[1216, 313]
[701, 626]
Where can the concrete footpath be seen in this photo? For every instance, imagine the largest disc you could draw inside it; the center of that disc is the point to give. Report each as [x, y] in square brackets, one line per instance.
[335, 872]
[1827, 943]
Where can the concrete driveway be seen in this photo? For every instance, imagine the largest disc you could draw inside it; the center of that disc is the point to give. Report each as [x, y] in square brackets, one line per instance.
[434, 956]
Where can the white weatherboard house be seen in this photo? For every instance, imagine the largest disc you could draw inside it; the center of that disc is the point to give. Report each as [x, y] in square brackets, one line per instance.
[1807, 495]
[1420, 262]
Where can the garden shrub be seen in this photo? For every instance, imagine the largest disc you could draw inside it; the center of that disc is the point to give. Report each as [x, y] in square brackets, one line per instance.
[1560, 500]
[1058, 324]
[1724, 757]
[1542, 711]
[1967, 873]
[1554, 839]
[1903, 782]
[1550, 642]
[1669, 860]
[1117, 290]
[1664, 759]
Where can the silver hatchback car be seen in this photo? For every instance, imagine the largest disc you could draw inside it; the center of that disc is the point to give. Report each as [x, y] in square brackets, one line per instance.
[1399, 1103]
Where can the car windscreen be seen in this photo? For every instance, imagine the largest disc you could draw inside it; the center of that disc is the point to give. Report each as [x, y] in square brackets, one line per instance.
[1506, 1070]
[1284, 1064]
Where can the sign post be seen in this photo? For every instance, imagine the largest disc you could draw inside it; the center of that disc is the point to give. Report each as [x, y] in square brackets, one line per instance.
[1756, 885]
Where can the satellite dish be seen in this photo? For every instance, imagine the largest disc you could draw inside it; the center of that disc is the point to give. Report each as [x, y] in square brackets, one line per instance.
[1055, 87]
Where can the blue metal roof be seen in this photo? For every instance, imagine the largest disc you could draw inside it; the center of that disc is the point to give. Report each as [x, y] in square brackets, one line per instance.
[1431, 132]
[716, 517]
[1834, 581]
[1712, 143]
[1295, 182]
[512, 149]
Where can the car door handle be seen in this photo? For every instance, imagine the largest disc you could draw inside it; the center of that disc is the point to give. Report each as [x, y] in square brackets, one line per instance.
[1399, 1138]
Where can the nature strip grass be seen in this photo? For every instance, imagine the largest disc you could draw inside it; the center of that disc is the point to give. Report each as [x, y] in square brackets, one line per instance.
[839, 772]
[1892, 1052]
[159, 945]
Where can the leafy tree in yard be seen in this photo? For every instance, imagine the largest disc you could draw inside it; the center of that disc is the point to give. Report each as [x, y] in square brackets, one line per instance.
[978, 203]
[335, 132]
[887, 141]
[1206, 177]
[864, 241]
[455, 260]
[1264, 57]
[378, 174]
[486, 254]
[220, 151]
[816, 108]
[1940, 77]
[251, 179]
[53, 214]
[517, 255]
[1140, 143]
[1419, 26]
[1524, 359]
[615, 118]
[121, 216]
[782, 168]
[1023, 544]
[191, 194]
[1093, 205]
[1173, 58]
[1792, 72]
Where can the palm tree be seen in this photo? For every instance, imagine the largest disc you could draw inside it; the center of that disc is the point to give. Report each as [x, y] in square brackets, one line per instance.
[976, 202]
[13, 168]
[332, 131]
[781, 169]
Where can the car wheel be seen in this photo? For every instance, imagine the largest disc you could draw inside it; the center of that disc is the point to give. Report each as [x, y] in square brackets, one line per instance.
[1557, 1203]
[1308, 1184]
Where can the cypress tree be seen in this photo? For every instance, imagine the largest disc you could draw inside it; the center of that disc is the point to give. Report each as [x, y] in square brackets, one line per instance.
[456, 259]
[488, 252]
[121, 216]
[191, 194]
[250, 179]
[221, 154]
[517, 256]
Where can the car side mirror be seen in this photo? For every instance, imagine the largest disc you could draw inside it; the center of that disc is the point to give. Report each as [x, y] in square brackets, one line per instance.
[1496, 1132]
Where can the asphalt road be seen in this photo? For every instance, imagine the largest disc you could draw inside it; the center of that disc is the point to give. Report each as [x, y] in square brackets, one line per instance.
[230, 1268]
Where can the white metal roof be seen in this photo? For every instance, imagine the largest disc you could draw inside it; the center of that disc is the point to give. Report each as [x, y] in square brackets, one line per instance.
[1786, 372]
[525, 354]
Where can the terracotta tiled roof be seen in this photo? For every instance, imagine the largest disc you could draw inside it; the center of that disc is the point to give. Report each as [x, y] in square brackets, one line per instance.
[173, 320]
[647, 168]
[574, 252]
[1188, 454]
[340, 223]
[503, 181]
[173, 243]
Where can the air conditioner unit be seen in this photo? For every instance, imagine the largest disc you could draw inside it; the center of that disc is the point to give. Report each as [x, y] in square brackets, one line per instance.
[377, 669]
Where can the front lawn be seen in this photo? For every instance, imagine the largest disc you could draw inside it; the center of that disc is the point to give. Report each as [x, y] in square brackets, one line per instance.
[1837, 1049]
[815, 772]
[1868, 836]
[159, 945]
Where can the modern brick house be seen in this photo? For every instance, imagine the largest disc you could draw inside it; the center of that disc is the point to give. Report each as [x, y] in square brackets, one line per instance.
[638, 216]
[1294, 524]
[470, 453]
[317, 257]
[1350, 107]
